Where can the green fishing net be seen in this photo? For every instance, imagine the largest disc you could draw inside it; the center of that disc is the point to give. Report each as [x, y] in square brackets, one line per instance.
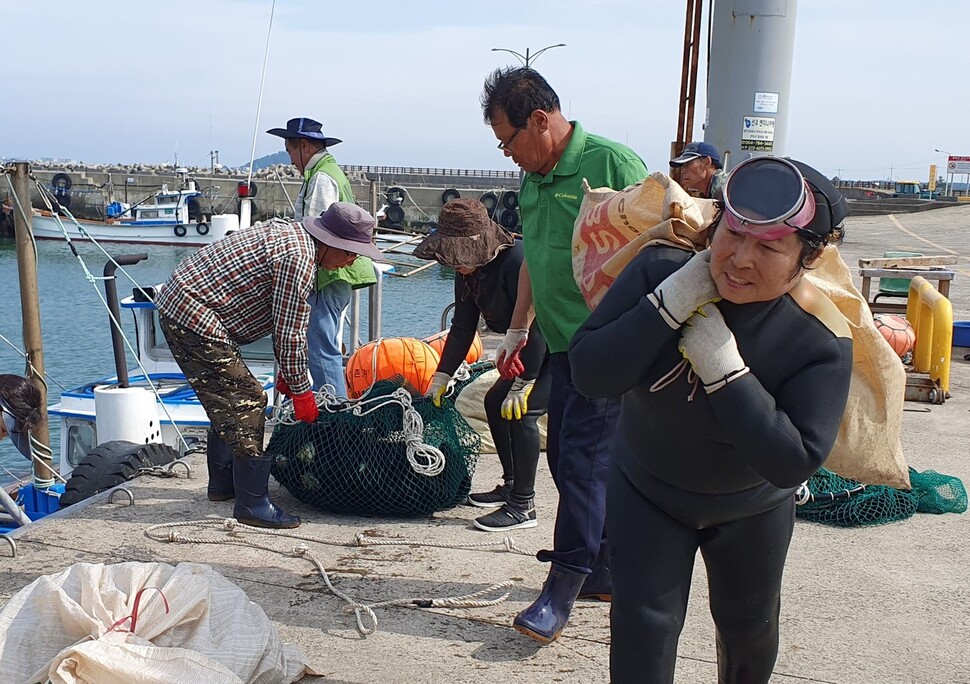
[835, 500]
[372, 456]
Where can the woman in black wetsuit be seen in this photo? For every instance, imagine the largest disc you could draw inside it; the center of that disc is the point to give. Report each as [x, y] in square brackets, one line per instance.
[487, 261]
[19, 411]
[727, 407]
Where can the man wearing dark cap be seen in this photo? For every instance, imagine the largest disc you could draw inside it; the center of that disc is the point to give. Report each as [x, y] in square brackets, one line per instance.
[323, 184]
[700, 169]
[251, 284]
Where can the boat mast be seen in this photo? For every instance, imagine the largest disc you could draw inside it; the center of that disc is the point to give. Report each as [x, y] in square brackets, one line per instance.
[749, 84]
[30, 313]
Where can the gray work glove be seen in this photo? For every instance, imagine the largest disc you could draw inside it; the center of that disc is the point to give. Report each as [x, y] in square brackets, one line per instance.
[709, 345]
[686, 290]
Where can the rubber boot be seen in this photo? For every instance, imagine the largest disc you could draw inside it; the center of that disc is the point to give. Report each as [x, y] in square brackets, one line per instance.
[598, 585]
[253, 507]
[545, 618]
[218, 456]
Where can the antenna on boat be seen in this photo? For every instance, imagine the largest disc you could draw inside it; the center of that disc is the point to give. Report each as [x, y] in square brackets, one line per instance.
[245, 201]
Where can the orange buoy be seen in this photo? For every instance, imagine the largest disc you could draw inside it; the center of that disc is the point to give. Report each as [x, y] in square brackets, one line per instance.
[437, 342]
[405, 359]
[898, 332]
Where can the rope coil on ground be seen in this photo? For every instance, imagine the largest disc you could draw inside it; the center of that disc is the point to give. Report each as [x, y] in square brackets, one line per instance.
[364, 615]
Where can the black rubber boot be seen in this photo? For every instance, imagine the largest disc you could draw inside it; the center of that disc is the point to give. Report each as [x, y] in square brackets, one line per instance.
[598, 585]
[253, 507]
[219, 459]
[545, 619]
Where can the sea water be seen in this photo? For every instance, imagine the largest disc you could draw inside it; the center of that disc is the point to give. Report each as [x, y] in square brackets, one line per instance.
[75, 324]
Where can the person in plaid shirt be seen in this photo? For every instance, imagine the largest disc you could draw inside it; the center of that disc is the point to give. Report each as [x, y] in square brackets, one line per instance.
[250, 284]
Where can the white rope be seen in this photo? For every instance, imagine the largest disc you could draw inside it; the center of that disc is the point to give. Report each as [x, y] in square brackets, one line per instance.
[364, 613]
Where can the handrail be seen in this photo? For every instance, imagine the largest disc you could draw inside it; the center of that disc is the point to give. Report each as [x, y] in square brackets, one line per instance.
[931, 315]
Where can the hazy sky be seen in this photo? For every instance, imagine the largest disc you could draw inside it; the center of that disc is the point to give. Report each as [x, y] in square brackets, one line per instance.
[876, 84]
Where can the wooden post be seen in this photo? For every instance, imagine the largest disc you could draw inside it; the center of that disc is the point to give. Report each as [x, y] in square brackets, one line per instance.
[30, 313]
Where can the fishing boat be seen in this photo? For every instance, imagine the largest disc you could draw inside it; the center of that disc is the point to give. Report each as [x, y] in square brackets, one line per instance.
[172, 217]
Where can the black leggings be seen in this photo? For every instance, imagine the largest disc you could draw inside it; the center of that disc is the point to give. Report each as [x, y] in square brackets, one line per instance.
[517, 441]
[652, 558]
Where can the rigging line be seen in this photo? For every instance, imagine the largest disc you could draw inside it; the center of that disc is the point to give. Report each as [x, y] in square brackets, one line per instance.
[27, 358]
[115, 322]
[259, 101]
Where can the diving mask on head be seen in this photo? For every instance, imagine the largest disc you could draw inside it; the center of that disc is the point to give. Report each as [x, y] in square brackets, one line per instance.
[768, 198]
[20, 438]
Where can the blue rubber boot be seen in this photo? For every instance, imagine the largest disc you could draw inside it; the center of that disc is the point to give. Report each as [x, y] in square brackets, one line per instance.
[218, 456]
[545, 618]
[253, 507]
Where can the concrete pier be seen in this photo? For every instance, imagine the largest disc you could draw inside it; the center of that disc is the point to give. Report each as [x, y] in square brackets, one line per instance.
[880, 604]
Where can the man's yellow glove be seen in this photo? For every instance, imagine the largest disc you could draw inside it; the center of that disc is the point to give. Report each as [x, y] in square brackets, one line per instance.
[438, 388]
[516, 402]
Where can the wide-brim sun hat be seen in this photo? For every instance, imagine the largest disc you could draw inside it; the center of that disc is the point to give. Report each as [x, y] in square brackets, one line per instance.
[304, 128]
[345, 226]
[465, 238]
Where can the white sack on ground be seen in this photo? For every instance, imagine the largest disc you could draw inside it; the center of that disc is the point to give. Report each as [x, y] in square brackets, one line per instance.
[59, 629]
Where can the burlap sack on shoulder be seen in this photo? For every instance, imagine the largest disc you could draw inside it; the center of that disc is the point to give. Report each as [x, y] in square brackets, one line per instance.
[613, 226]
[868, 448]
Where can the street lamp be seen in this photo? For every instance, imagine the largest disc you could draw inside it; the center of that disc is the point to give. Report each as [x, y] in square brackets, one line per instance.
[527, 58]
[949, 176]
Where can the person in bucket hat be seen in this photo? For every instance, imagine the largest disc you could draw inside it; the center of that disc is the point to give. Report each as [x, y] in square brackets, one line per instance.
[248, 285]
[324, 183]
[487, 261]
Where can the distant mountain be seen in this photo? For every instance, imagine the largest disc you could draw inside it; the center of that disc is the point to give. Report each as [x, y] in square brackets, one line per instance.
[280, 157]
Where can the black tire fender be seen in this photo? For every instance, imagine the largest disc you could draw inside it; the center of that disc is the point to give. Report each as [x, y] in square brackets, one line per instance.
[202, 228]
[490, 200]
[111, 464]
[395, 195]
[510, 199]
[180, 231]
[61, 183]
[509, 218]
[450, 194]
[394, 214]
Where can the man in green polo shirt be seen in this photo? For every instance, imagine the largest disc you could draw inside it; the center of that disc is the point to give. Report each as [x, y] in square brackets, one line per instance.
[556, 155]
[323, 184]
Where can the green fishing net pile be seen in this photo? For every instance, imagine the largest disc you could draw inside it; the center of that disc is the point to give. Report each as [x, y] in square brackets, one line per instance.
[838, 501]
[356, 462]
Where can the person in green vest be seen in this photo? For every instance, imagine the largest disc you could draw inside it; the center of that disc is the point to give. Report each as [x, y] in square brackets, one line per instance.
[323, 184]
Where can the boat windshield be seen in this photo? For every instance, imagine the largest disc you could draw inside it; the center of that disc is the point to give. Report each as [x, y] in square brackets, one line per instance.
[261, 350]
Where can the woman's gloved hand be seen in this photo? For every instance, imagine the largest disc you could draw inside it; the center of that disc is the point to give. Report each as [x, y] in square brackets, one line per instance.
[686, 290]
[709, 345]
[516, 402]
[507, 355]
[281, 386]
[305, 407]
[438, 388]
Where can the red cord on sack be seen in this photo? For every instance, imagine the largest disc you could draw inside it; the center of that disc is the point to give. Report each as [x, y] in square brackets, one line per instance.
[134, 613]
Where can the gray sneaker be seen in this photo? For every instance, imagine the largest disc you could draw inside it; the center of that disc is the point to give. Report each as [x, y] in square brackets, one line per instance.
[493, 499]
[507, 518]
